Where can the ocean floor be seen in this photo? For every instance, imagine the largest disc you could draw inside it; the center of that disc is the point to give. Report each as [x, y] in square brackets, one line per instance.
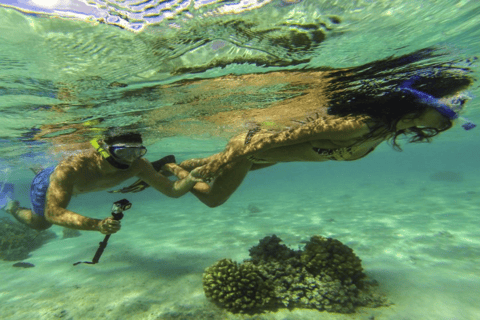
[417, 233]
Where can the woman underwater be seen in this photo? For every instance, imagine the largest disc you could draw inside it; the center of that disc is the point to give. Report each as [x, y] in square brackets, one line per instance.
[355, 110]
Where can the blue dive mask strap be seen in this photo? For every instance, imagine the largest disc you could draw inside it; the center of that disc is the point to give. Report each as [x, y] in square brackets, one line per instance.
[435, 103]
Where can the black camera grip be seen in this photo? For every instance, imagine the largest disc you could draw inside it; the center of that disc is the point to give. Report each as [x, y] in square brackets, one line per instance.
[117, 213]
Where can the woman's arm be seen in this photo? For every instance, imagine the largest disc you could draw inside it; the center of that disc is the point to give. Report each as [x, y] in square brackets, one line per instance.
[181, 173]
[172, 189]
[325, 128]
[335, 129]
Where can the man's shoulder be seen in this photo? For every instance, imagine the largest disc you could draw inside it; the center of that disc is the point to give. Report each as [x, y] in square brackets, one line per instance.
[77, 162]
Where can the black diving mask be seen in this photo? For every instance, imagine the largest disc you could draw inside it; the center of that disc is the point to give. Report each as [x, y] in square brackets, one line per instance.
[127, 152]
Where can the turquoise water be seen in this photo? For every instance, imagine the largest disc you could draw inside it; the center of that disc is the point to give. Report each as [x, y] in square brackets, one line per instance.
[411, 216]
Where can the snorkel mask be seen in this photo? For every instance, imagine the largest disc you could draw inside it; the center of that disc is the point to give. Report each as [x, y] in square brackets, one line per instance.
[450, 110]
[117, 153]
[127, 152]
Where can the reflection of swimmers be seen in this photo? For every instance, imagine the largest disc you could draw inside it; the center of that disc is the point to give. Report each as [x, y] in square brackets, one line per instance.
[111, 161]
[360, 112]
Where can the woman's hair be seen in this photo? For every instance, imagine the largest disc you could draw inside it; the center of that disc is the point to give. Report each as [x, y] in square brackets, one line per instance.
[125, 137]
[375, 90]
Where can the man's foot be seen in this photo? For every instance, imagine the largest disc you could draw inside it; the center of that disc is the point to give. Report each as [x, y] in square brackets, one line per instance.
[12, 206]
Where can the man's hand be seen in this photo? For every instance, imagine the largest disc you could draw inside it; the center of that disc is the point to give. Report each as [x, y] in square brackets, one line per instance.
[109, 225]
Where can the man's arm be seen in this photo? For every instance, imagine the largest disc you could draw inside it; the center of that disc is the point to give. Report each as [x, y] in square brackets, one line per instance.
[173, 189]
[58, 197]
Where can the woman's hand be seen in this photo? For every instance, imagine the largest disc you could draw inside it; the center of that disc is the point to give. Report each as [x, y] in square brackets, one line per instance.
[109, 226]
[214, 168]
[199, 175]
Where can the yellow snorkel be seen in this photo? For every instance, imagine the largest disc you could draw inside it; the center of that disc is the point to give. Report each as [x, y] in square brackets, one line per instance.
[104, 153]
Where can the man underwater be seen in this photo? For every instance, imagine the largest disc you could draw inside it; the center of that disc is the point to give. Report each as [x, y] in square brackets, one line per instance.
[111, 161]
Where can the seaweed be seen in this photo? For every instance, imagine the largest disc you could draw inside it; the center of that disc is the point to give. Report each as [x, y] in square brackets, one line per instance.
[18, 240]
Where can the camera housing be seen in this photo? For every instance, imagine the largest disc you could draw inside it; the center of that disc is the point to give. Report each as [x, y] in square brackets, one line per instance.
[121, 205]
[118, 208]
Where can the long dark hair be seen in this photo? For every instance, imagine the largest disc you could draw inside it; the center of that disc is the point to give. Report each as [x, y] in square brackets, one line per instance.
[373, 90]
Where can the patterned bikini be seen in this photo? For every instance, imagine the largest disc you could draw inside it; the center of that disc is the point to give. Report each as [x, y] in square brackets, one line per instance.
[340, 154]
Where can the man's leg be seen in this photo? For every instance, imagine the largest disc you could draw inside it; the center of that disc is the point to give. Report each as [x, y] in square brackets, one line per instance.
[26, 216]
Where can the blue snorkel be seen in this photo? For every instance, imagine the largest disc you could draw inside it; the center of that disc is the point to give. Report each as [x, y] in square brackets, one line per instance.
[449, 112]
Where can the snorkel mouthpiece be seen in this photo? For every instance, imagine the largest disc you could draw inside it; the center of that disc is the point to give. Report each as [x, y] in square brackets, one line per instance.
[445, 110]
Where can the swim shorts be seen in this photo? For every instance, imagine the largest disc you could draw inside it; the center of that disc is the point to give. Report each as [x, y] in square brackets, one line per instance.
[38, 191]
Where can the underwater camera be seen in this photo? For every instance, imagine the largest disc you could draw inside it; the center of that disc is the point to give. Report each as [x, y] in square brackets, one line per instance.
[118, 208]
[117, 213]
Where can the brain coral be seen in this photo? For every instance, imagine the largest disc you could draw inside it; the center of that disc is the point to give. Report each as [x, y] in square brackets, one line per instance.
[236, 287]
[329, 257]
[295, 287]
[326, 275]
[269, 248]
